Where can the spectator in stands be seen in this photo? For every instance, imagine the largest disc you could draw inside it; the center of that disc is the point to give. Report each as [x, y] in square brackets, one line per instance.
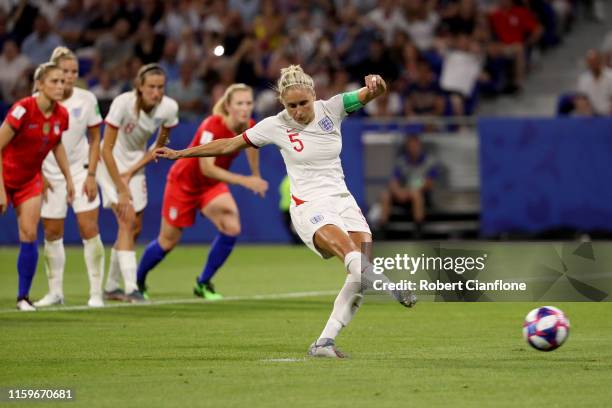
[189, 47]
[149, 45]
[105, 91]
[423, 97]
[178, 16]
[107, 13]
[517, 30]
[596, 83]
[411, 183]
[379, 60]
[351, 40]
[582, 106]
[116, 46]
[461, 69]
[169, 62]
[22, 15]
[4, 34]
[422, 23]
[41, 43]
[188, 92]
[388, 18]
[71, 23]
[14, 66]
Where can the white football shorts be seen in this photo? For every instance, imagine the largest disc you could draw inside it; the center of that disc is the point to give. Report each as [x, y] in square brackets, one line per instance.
[56, 206]
[340, 210]
[137, 187]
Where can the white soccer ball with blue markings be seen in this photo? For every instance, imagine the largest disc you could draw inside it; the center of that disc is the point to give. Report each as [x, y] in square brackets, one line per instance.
[546, 328]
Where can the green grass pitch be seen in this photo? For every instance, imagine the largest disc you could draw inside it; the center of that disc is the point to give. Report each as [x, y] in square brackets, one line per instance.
[250, 351]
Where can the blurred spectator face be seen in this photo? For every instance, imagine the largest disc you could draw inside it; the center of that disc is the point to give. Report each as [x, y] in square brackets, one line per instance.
[377, 49]
[594, 61]
[170, 50]
[70, 68]
[73, 7]
[299, 103]
[121, 29]
[105, 80]
[413, 147]
[152, 89]
[467, 8]
[145, 29]
[187, 71]
[10, 50]
[41, 26]
[582, 106]
[462, 42]
[424, 76]
[240, 107]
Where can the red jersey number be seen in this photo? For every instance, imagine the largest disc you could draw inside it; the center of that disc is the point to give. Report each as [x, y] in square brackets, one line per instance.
[293, 138]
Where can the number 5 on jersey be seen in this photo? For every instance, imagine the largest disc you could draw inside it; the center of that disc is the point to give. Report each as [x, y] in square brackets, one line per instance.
[293, 138]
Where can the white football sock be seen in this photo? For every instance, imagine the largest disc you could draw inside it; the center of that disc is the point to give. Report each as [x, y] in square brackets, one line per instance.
[114, 272]
[348, 300]
[127, 263]
[93, 250]
[55, 260]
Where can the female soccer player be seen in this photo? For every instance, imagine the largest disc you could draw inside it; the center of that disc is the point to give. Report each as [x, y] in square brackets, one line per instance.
[32, 128]
[83, 158]
[133, 117]
[200, 185]
[323, 211]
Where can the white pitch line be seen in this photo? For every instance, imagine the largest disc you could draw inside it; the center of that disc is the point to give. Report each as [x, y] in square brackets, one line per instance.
[270, 296]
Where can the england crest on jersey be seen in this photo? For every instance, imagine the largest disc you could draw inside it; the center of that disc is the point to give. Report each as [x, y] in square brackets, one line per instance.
[317, 219]
[76, 112]
[326, 124]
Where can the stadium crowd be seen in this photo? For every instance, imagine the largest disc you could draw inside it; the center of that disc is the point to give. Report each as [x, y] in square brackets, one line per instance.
[438, 56]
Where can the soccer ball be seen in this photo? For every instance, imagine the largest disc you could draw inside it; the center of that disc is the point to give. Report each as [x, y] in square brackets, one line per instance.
[546, 328]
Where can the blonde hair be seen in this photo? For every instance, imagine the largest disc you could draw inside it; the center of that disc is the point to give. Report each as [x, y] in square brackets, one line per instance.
[62, 53]
[291, 76]
[220, 107]
[42, 71]
[153, 69]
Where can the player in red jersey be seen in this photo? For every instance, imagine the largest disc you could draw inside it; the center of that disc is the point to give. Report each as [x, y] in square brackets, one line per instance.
[200, 185]
[32, 128]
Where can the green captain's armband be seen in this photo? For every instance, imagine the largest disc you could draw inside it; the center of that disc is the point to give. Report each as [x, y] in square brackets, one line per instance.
[351, 101]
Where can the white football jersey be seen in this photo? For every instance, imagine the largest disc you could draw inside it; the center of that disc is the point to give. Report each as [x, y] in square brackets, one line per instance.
[84, 113]
[311, 153]
[134, 131]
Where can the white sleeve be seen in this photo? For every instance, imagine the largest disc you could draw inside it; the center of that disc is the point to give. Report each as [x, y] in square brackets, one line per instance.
[334, 107]
[117, 111]
[262, 133]
[172, 116]
[93, 114]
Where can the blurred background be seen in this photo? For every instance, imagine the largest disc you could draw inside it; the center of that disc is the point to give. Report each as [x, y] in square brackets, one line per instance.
[496, 124]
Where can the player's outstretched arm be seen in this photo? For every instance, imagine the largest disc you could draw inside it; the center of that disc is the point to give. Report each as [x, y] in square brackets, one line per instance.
[6, 134]
[220, 147]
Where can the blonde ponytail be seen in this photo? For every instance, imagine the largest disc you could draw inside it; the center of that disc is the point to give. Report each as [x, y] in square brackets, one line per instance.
[62, 53]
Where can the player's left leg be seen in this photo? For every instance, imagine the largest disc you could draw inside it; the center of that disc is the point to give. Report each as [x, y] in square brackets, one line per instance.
[222, 211]
[54, 258]
[28, 217]
[93, 251]
[53, 213]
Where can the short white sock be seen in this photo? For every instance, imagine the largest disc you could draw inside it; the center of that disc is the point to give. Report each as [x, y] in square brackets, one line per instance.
[113, 279]
[93, 250]
[55, 260]
[348, 300]
[127, 263]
